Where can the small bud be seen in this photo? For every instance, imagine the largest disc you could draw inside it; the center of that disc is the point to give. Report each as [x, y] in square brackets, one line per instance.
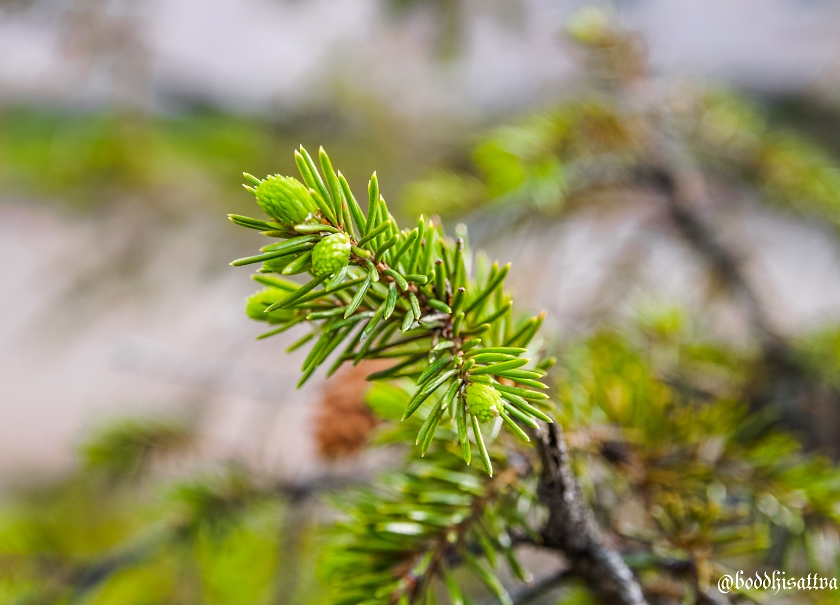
[483, 402]
[331, 254]
[286, 200]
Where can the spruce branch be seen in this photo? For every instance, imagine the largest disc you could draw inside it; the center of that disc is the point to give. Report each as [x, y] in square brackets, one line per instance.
[376, 291]
[87, 578]
[411, 297]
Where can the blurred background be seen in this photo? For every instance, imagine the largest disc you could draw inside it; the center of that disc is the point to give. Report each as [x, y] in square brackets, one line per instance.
[125, 126]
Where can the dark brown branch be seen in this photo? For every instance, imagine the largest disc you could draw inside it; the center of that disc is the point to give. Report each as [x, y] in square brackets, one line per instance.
[572, 530]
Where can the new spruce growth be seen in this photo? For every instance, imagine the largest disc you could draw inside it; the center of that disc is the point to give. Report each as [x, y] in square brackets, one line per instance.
[408, 295]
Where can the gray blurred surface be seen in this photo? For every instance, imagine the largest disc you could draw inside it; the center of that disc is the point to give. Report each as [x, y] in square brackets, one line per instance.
[254, 54]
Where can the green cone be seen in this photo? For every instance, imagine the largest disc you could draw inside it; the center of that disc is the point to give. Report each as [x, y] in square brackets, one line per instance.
[286, 200]
[483, 402]
[331, 254]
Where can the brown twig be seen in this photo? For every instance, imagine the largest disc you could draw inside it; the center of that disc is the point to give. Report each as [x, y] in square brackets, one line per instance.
[572, 530]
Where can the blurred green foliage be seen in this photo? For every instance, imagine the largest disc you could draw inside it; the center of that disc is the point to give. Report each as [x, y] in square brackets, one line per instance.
[90, 159]
[126, 448]
[567, 156]
[151, 536]
[603, 137]
[179, 162]
[730, 133]
[819, 351]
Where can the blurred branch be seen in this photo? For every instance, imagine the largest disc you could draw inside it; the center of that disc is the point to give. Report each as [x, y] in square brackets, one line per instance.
[76, 581]
[541, 588]
[780, 377]
[572, 530]
[297, 492]
[682, 190]
[532, 593]
[90, 576]
[290, 540]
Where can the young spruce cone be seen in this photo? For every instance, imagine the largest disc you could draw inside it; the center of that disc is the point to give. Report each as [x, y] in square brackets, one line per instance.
[331, 254]
[286, 200]
[483, 402]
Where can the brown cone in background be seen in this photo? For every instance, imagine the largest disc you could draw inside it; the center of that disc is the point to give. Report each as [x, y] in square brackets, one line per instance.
[343, 420]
